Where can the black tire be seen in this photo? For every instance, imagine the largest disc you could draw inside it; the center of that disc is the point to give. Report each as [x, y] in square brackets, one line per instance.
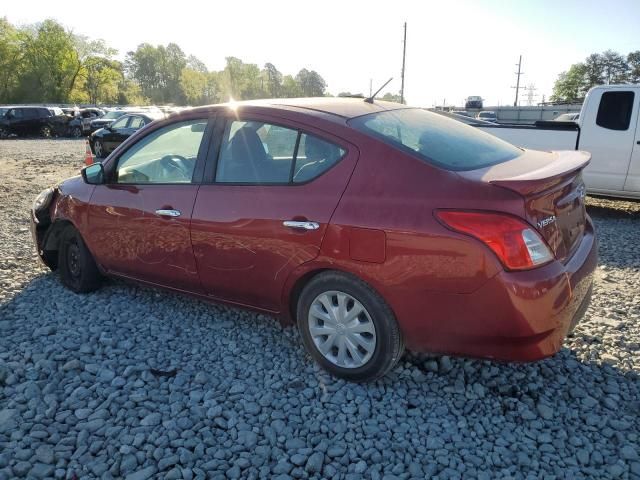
[98, 149]
[389, 346]
[4, 133]
[78, 270]
[76, 132]
[46, 132]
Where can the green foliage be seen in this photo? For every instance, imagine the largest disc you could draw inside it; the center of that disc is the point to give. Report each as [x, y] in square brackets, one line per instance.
[311, 83]
[608, 67]
[47, 63]
[391, 97]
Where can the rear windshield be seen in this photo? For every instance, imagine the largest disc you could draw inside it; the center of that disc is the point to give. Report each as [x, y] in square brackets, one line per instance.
[436, 139]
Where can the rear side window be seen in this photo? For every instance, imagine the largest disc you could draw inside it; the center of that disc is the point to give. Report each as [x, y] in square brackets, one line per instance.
[615, 110]
[315, 156]
[438, 140]
[254, 152]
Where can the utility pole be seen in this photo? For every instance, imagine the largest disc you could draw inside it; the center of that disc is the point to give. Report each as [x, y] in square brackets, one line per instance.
[370, 87]
[517, 87]
[404, 54]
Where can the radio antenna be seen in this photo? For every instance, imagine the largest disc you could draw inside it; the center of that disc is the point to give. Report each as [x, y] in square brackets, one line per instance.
[370, 99]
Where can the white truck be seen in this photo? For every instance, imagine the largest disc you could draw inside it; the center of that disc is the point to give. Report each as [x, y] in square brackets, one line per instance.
[608, 128]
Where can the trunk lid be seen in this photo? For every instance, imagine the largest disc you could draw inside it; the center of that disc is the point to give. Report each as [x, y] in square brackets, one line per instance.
[553, 191]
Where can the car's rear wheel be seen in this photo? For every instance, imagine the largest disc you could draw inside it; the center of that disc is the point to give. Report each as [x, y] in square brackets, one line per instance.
[78, 270]
[98, 149]
[4, 133]
[76, 132]
[348, 328]
[45, 131]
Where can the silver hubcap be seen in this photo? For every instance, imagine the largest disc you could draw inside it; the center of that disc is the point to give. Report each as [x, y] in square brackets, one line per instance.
[98, 148]
[342, 329]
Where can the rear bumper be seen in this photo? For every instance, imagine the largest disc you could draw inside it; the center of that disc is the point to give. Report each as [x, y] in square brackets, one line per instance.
[515, 316]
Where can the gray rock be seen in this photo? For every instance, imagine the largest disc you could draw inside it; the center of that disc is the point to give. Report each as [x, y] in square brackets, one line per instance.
[151, 420]
[143, 474]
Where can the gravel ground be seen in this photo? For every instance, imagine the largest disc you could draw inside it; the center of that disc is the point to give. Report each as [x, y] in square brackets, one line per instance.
[128, 383]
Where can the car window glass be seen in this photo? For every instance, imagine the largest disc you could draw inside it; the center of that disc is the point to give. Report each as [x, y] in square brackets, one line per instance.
[615, 110]
[435, 139]
[16, 113]
[315, 156]
[120, 123]
[136, 122]
[256, 152]
[167, 155]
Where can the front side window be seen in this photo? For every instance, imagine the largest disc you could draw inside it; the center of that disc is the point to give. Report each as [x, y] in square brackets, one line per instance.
[167, 155]
[615, 110]
[437, 140]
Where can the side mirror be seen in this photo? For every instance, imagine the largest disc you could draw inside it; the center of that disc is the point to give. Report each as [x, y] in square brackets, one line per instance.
[93, 174]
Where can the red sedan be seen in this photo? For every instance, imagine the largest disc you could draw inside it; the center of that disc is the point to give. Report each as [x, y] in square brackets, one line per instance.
[374, 226]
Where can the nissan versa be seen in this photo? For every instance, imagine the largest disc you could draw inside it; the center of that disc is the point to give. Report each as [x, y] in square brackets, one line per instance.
[372, 225]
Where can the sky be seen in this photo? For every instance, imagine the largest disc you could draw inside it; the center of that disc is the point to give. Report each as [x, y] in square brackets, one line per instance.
[455, 48]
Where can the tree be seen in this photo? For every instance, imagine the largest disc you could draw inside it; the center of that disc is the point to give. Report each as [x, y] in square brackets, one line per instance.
[290, 88]
[273, 80]
[157, 70]
[200, 88]
[633, 61]
[311, 83]
[597, 69]
[350, 95]
[50, 63]
[391, 97]
[572, 84]
[614, 67]
[10, 60]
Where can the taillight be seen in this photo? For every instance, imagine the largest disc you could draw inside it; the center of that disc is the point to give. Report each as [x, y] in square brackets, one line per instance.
[516, 243]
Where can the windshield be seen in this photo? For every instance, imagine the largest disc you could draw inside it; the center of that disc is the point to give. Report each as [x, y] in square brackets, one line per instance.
[438, 140]
[113, 115]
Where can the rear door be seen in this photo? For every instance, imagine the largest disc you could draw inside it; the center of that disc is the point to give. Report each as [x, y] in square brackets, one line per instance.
[139, 221]
[273, 189]
[608, 131]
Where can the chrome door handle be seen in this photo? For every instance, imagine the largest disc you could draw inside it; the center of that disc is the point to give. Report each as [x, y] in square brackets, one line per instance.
[301, 225]
[168, 213]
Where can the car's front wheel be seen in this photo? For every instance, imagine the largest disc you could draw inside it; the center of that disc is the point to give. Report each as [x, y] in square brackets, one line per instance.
[76, 132]
[78, 270]
[348, 328]
[98, 149]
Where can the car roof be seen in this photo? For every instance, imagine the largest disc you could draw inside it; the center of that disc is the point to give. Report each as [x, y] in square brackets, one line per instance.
[338, 106]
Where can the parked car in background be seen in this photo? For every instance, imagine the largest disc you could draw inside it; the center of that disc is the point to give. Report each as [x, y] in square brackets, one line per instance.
[31, 120]
[473, 101]
[108, 118]
[608, 127]
[487, 116]
[105, 140]
[81, 123]
[374, 226]
[567, 117]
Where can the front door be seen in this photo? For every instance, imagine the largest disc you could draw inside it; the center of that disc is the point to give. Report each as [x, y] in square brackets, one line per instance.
[116, 133]
[139, 221]
[266, 212]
